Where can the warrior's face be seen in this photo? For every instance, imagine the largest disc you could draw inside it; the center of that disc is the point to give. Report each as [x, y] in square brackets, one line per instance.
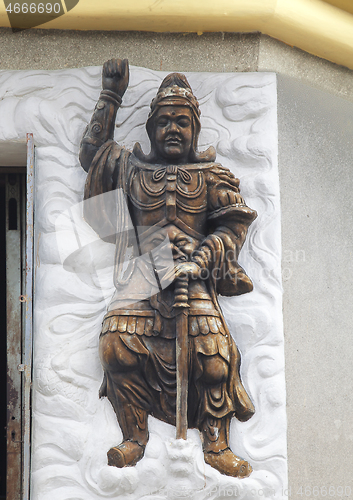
[173, 133]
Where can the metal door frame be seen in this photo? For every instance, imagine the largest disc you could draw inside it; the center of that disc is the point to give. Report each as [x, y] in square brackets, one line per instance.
[25, 165]
[27, 338]
[26, 297]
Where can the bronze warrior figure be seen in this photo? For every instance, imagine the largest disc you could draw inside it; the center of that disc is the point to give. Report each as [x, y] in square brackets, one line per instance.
[179, 195]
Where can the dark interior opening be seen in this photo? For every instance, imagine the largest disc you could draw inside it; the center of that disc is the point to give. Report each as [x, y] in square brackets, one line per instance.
[3, 401]
[12, 214]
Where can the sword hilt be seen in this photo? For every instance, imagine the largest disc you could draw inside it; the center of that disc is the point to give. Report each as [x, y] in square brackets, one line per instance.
[181, 292]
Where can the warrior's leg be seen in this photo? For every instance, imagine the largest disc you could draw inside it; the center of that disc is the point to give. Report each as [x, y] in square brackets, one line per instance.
[215, 445]
[127, 392]
[133, 423]
[215, 425]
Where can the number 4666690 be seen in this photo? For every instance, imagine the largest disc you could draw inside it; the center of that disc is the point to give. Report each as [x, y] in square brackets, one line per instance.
[33, 8]
[324, 491]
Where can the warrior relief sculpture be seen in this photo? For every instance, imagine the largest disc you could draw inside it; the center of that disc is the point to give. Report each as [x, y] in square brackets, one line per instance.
[178, 223]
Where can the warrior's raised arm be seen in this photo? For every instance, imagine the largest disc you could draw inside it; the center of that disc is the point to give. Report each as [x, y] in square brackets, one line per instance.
[115, 79]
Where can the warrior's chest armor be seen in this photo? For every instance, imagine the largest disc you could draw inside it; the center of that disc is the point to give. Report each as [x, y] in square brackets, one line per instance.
[171, 194]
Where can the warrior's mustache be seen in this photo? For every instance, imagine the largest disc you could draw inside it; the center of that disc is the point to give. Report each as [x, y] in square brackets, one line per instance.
[174, 137]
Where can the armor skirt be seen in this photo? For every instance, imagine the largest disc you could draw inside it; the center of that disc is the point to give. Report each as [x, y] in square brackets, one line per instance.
[140, 368]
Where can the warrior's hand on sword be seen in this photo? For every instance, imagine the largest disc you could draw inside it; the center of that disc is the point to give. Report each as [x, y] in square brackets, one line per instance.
[115, 76]
[180, 270]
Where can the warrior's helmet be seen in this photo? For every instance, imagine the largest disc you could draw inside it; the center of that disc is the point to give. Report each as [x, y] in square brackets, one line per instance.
[176, 91]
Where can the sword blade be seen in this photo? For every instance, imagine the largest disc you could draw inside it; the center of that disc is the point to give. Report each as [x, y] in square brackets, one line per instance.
[182, 354]
[182, 374]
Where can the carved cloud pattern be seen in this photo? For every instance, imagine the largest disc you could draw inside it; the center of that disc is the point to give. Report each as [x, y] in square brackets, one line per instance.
[72, 428]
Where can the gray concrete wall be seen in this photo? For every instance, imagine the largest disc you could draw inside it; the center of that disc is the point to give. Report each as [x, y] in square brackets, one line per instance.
[43, 49]
[316, 148]
[315, 165]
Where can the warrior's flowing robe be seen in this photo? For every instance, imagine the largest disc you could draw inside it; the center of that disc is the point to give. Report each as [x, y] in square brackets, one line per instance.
[198, 210]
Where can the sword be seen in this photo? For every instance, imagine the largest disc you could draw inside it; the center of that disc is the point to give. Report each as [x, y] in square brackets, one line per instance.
[182, 351]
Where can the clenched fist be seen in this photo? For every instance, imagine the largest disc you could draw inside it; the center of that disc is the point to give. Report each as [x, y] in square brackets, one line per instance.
[115, 76]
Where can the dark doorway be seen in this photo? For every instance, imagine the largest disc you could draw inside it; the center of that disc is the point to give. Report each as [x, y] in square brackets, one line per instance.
[3, 344]
[12, 232]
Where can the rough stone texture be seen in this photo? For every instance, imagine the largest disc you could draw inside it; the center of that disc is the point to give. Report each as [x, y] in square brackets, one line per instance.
[291, 61]
[315, 162]
[43, 49]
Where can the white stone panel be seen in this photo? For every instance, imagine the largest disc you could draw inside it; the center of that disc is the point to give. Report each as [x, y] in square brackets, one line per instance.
[72, 428]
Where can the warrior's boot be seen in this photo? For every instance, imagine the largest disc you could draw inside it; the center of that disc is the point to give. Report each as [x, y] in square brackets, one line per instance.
[215, 438]
[133, 423]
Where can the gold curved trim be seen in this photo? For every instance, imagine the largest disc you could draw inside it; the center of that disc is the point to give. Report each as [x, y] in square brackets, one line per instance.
[346, 5]
[316, 26]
